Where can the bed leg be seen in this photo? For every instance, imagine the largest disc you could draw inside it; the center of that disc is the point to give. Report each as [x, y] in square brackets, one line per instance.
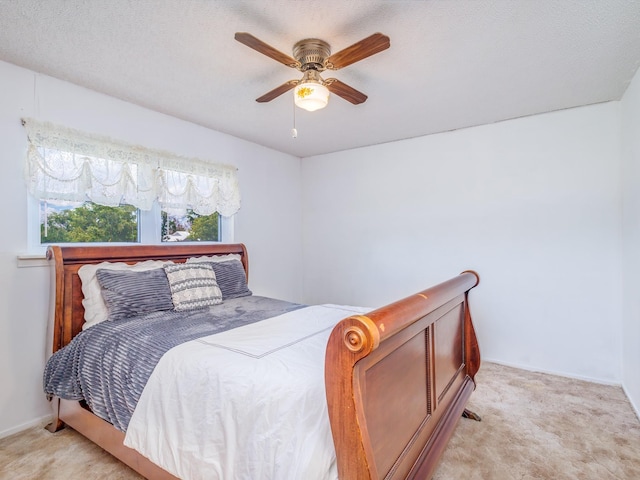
[56, 424]
[469, 414]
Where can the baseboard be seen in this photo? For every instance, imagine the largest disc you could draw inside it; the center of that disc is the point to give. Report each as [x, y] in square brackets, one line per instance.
[42, 421]
[553, 372]
[633, 405]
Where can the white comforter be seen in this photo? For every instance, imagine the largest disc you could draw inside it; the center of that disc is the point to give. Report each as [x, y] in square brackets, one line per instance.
[248, 403]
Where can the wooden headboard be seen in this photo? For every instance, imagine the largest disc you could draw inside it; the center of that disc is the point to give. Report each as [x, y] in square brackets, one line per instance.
[68, 312]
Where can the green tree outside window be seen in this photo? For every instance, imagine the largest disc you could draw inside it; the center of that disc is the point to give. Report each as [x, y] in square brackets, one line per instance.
[91, 222]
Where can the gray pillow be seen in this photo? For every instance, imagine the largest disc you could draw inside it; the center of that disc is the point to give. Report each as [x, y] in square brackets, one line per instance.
[129, 293]
[231, 278]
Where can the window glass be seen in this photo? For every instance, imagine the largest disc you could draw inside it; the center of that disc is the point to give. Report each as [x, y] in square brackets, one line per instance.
[87, 222]
[191, 227]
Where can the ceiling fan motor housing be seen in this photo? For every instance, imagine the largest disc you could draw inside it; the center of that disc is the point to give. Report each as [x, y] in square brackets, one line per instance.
[312, 54]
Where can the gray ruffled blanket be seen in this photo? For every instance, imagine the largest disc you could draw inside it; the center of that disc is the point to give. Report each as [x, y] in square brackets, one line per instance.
[109, 364]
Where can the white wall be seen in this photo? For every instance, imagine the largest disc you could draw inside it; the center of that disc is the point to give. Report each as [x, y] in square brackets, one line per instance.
[532, 204]
[269, 182]
[631, 240]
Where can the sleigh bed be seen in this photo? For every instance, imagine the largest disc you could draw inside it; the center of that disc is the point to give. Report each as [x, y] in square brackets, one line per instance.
[396, 379]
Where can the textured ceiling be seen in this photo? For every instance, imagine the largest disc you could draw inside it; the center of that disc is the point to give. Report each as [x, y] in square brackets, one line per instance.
[452, 64]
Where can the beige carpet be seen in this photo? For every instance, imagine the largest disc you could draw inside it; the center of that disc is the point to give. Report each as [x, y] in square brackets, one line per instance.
[534, 426]
[539, 426]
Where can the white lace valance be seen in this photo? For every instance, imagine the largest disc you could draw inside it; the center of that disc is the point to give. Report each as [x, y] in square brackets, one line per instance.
[68, 165]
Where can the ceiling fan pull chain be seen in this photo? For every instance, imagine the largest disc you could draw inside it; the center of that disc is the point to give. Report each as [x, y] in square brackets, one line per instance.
[294, 130]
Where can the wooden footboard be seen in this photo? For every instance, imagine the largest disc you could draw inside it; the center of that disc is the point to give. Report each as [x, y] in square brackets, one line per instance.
[398, 380]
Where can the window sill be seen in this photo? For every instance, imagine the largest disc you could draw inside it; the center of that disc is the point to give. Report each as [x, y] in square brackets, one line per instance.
[32, 261]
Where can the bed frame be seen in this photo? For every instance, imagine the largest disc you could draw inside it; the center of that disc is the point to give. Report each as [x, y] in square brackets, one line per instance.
[397, 379]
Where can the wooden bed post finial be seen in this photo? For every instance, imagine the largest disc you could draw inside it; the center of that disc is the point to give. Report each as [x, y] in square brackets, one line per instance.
[366, 336]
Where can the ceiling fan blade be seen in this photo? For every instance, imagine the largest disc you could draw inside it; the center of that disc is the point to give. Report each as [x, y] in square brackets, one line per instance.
[259, 46]
[358, 51]
[276, 92]
[343, 90]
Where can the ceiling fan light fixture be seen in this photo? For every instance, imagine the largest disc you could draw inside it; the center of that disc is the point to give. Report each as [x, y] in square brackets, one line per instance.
[311, 94]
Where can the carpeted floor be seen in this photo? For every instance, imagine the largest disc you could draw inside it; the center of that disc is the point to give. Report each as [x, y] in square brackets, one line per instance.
[539, 426]
[534, 426]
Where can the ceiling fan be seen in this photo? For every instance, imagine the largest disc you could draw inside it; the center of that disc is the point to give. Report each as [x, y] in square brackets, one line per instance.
[311, 57]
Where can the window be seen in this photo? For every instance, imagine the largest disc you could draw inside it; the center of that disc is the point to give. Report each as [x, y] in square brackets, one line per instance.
[191, 227]
[75, 222]
[87, 189]
[87, 222]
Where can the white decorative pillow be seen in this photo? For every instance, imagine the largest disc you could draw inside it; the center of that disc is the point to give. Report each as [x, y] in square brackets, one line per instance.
[193, 285]
[95, 310]
[215, 258]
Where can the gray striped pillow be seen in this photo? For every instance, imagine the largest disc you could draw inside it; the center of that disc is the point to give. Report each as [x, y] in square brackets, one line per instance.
[128, 293]
[193, 286]
[231, 278]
